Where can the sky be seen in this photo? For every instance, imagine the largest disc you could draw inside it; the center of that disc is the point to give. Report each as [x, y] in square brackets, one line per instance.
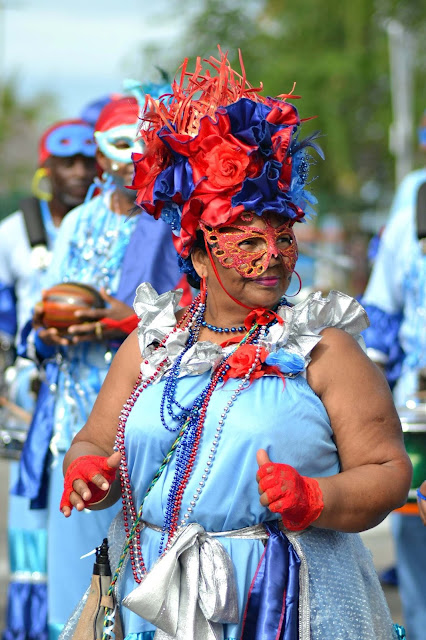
[79, 50]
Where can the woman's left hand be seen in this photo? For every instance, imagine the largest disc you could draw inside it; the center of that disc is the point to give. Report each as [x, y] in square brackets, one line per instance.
[87, 480]
[298, 499]
[422, 503]
[91, 329]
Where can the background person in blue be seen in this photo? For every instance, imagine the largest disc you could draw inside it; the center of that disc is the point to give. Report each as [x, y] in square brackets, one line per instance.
[100, 245]
[66, 159]
[405, 195]
[395, 300]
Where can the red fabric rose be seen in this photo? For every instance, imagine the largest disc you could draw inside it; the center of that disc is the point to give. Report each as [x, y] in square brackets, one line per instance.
[242, 360]
[220, 164]
[224, 164]
[262, 317]
[220, 211]
[143, 167]
[219, 161]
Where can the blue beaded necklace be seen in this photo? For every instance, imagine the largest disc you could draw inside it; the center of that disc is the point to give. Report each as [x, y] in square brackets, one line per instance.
[168, 399]
[187, 420]
[213, 327]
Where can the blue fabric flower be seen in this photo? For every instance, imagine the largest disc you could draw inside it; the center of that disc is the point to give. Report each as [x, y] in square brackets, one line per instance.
[285, 361]
[175, 179]
[249, 124]
[262, 193]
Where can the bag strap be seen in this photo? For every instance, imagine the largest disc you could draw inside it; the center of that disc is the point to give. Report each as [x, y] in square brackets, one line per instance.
[421, 212]
[33, 220]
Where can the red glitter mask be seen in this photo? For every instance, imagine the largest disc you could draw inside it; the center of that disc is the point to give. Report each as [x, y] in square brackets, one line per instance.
[248, 249]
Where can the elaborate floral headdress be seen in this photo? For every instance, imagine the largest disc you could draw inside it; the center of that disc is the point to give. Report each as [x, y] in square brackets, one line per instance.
[214, 148]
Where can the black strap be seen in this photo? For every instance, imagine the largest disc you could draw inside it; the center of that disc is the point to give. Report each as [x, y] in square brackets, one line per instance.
[421, 212]
[33, 219]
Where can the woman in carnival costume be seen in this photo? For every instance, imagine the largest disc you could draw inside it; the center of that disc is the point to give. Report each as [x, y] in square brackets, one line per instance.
[256, 438]
[95, 246]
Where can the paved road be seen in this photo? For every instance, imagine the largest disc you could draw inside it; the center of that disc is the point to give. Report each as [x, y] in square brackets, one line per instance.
[377, 540]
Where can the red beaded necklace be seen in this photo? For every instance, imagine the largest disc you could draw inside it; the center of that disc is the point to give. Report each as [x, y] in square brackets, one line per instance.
[130, 516]
[129, 511]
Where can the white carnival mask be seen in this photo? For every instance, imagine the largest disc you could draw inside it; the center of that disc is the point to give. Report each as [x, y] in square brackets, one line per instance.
[127, 133]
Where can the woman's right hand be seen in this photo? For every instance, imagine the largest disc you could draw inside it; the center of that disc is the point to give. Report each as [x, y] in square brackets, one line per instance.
[87, 481]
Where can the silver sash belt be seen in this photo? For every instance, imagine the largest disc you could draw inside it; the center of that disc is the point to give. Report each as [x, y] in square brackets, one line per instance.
[190, 592]
[254, 532]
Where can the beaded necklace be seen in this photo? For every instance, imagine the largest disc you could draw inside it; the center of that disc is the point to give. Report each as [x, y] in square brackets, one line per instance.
[169, 395]
[213, 327]
[189, 426]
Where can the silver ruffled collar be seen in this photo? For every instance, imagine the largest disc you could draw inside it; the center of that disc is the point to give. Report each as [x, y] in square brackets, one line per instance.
[298, 335]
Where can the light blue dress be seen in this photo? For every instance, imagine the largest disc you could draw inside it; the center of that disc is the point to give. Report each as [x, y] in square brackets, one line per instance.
[291, 423]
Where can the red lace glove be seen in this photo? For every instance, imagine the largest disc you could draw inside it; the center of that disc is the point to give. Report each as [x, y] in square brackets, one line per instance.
[298, 499]
[85, 468]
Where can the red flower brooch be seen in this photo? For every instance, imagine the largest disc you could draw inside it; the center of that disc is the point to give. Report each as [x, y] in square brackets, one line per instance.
[243, 359]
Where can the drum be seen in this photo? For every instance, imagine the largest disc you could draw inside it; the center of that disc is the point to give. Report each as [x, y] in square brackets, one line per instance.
[61, 301]
[413, 422]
